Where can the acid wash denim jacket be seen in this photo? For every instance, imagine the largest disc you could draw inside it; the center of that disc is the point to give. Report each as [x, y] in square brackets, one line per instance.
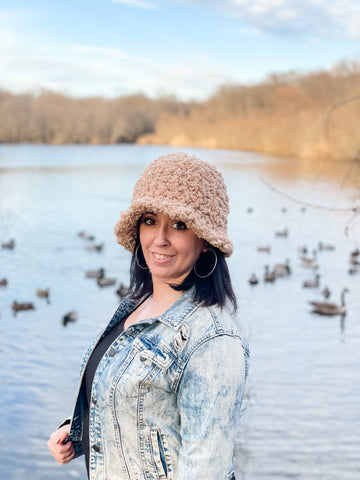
[166, 396]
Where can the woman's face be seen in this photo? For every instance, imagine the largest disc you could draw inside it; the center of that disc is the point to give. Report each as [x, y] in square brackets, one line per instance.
[169, 247]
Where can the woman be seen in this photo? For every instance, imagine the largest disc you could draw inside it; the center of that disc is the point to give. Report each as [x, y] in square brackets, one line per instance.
[162, 387]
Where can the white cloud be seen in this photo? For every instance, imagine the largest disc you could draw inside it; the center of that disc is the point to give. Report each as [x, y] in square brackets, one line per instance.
[7, 42]
[93, 70]
[31, 60]
[109, 51]
[287, 14]
[137, 3]
[311, 18]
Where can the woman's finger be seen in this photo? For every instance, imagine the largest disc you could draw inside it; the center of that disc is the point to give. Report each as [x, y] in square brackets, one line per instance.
[62, 452]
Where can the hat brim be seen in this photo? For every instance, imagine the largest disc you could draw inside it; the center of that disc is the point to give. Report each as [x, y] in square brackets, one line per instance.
[126, 228]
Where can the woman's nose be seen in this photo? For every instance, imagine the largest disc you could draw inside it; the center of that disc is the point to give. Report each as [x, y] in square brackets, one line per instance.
[162, 238]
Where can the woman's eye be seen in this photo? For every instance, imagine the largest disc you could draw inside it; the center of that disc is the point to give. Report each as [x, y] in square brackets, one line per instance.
[179, 225]
[148, 221]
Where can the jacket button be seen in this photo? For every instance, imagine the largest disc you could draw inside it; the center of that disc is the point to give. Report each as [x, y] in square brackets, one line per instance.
[93, 399]
[111, 352]
[96, 448]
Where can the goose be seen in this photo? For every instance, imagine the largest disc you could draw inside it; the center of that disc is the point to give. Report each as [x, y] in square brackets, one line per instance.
[103, 281]
[310, 262]
[329, 308]
[353, 258]
[86, 236]
[353, 269]
[69, 317]
[354, 261]
[253, 280]
[95, 273]
[303, 250]
[9, 245]
[269, 276]
[326, 292]
[106, 282]
[22, 306]
[323, 246]
[3, 282]
[43, 293]
[312, 283]
[122, 291]
[282, 269]
[282, 233]
[95, 248]
[266, 249]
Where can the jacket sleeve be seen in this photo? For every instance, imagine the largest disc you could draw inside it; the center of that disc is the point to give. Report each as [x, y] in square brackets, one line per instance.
[209, 400]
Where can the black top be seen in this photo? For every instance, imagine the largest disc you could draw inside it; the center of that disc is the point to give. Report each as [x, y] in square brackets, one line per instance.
[93, 362]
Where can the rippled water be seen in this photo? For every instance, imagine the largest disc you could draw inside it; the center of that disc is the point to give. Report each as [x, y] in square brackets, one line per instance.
[303, 409]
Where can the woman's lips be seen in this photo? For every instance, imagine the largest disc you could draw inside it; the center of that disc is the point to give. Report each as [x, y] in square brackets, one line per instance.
[161, 257]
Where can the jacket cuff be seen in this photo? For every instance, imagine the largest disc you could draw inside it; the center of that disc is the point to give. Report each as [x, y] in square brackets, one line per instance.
[65, 422]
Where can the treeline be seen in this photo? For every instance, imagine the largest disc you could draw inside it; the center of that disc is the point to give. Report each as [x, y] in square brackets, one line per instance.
[295, 115]
[54, 118]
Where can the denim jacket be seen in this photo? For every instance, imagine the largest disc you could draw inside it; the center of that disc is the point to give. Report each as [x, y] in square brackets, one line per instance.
[166, 396]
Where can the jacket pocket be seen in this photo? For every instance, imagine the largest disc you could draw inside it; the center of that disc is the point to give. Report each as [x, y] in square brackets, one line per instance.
[158, 453]
[146, 362]
[153, 351]
[134, 376]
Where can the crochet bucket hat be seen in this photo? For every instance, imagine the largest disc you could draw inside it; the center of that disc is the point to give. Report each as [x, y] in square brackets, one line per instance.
[185, 188]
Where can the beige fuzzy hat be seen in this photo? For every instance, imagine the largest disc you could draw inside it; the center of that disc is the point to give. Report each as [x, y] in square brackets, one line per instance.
[185, 188]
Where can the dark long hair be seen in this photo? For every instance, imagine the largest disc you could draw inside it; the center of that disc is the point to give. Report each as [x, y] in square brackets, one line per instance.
[212, 290]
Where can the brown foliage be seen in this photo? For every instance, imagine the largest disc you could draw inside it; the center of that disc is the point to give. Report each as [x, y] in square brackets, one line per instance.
[295, 115]
[285, 115]
[54, 118]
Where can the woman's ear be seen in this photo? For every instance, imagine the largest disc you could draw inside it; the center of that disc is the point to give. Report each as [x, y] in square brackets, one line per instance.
[205, 246]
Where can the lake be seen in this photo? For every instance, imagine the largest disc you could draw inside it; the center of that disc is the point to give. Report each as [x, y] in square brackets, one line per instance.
[302, 419]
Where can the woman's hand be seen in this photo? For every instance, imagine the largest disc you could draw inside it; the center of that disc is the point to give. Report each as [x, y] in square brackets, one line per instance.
[62, 450]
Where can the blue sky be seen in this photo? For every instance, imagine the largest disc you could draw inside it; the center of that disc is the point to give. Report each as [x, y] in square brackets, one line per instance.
[183, 47]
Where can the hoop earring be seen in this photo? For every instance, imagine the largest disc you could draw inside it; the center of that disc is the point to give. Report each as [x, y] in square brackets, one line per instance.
[213, 268]
[137, 260]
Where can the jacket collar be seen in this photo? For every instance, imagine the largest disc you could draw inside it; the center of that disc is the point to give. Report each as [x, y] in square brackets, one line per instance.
[173, 317]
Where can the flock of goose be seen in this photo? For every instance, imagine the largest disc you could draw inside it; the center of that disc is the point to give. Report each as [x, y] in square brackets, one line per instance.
[270, 275]
[98, 275]
[284, 269]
